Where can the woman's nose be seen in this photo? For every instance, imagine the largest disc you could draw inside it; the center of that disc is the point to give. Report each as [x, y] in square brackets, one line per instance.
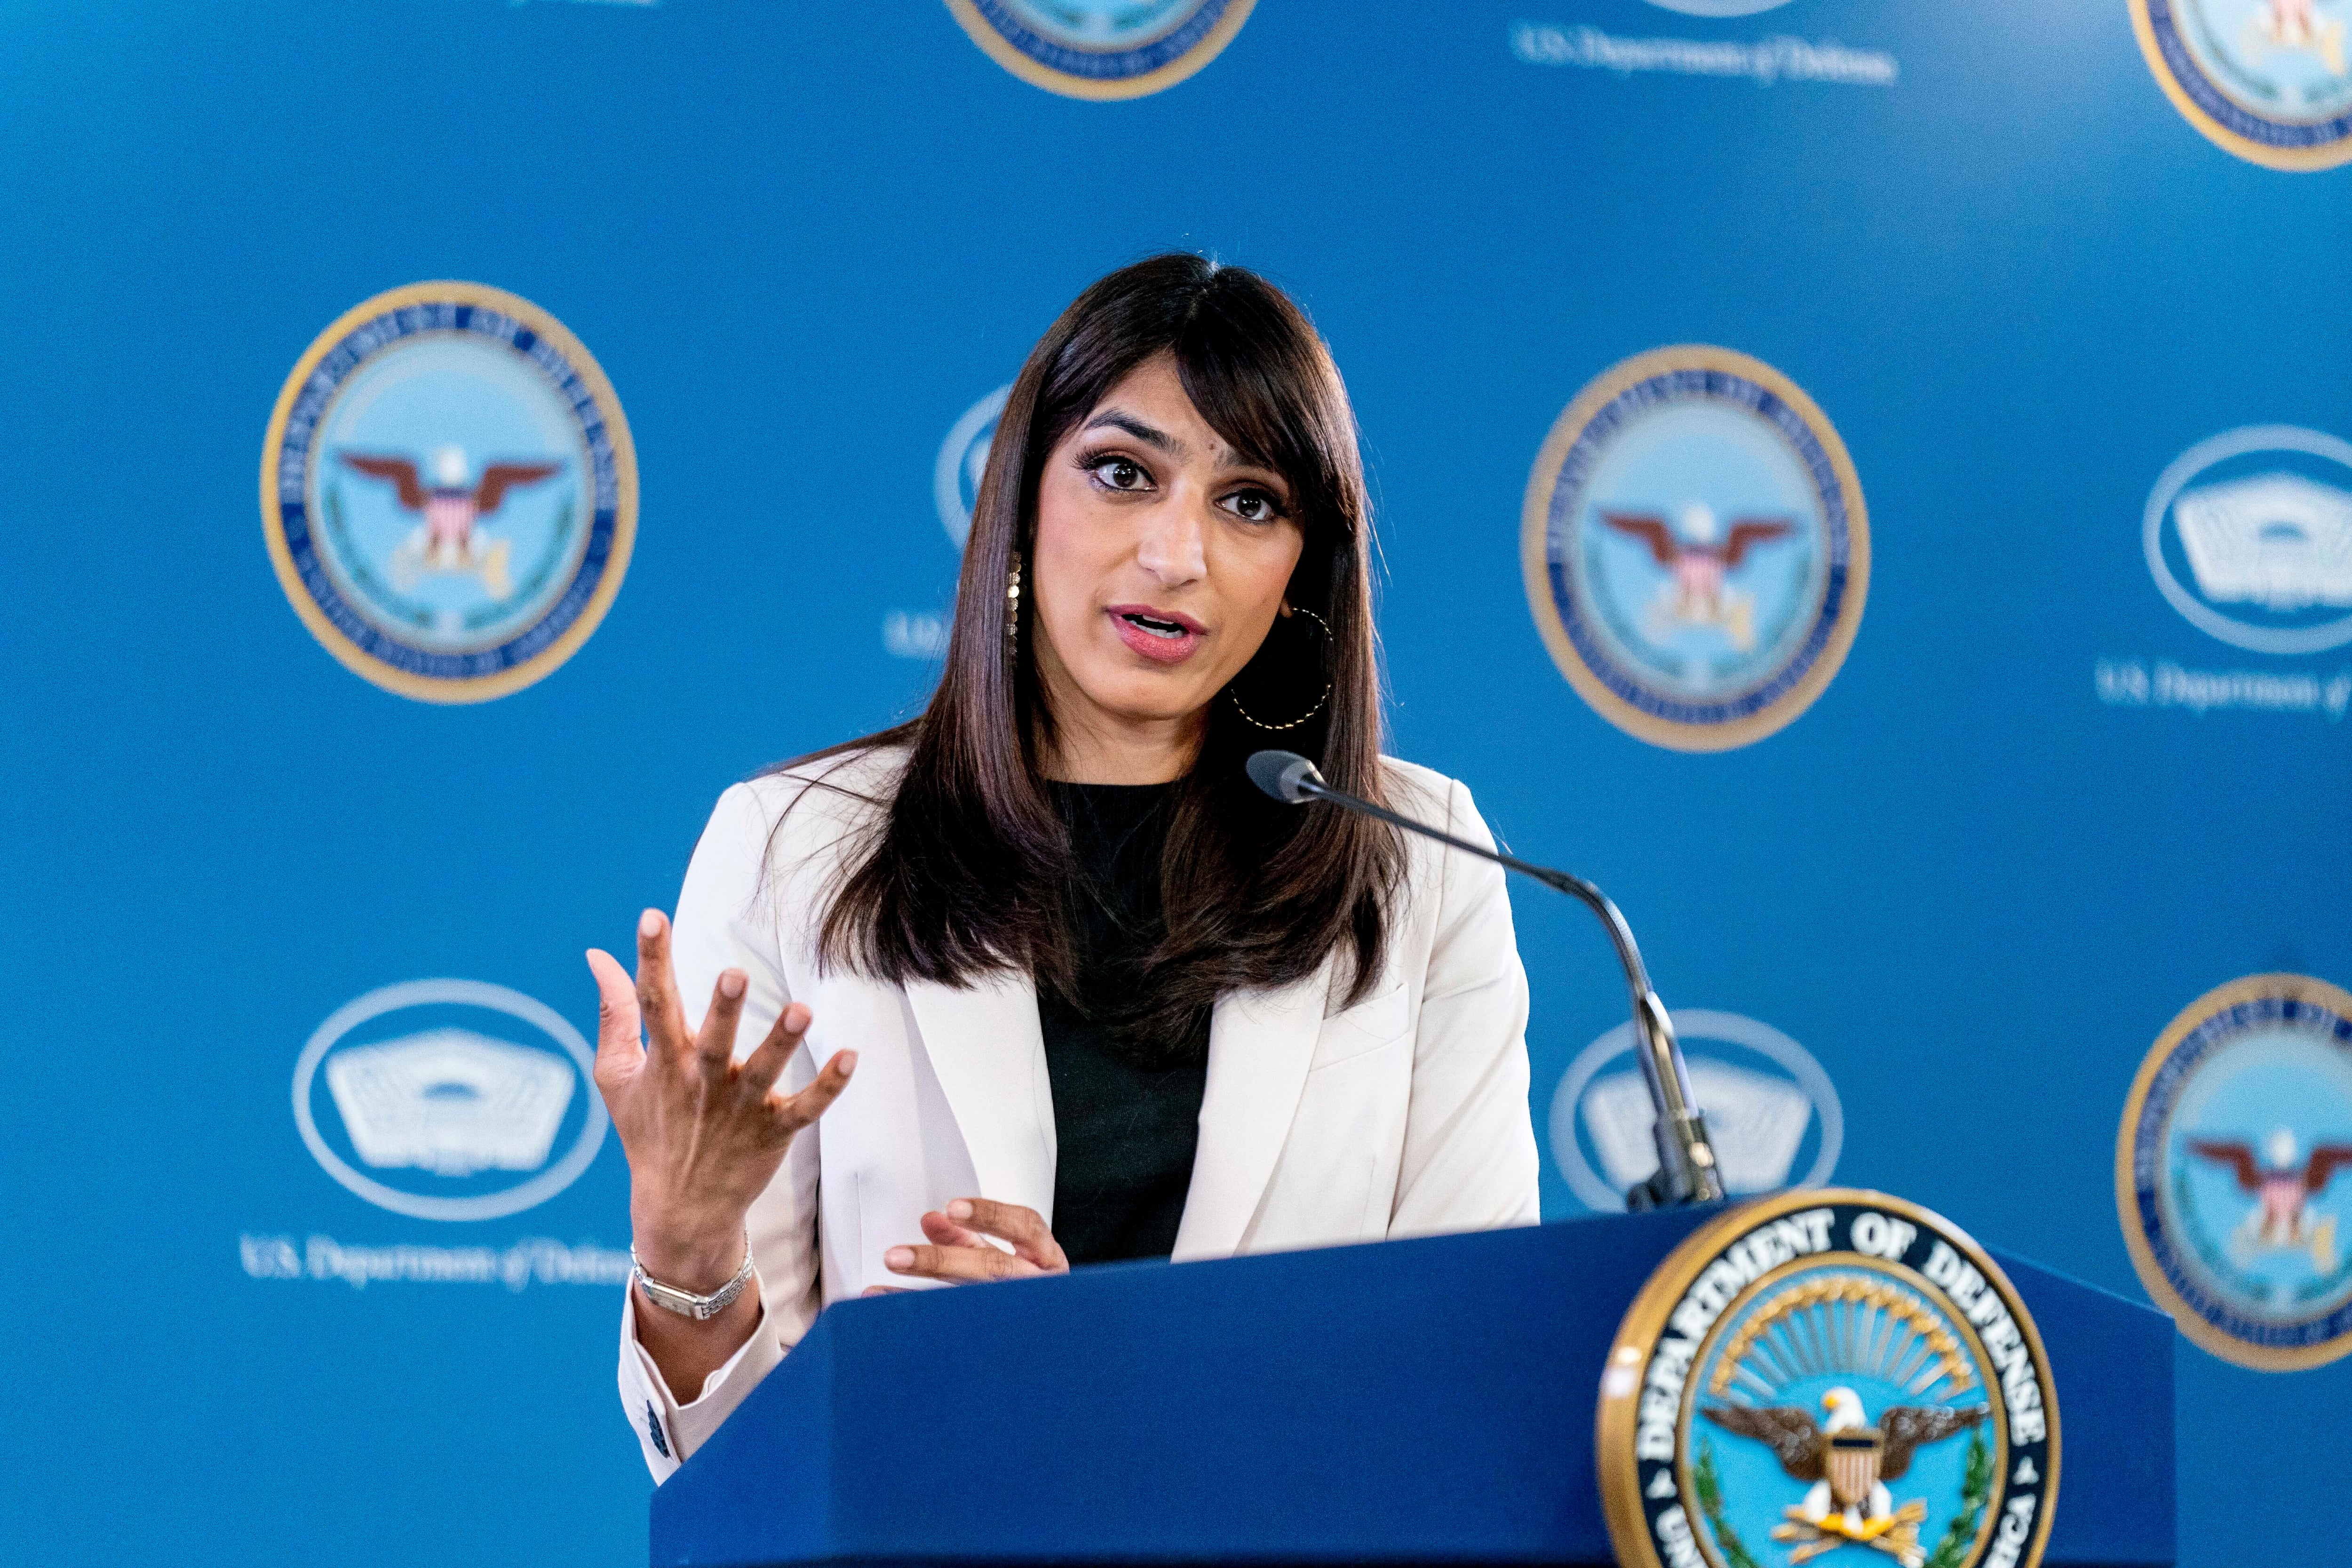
[1172, 546]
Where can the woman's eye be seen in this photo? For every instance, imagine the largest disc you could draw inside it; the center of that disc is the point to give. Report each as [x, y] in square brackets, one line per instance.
[1121, 474]
[1254, 506]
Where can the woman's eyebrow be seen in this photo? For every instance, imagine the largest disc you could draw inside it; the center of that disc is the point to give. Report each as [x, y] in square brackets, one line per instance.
[1150, 435]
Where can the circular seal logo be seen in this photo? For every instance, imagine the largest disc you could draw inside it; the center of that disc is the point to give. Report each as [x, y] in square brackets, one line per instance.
[2233, 1171]
[449, 493]
[1827, 1370]
[420, 1098]
[2248, 534]
[1102, 48]
[1771, 1110]
[963, 458]
[2266, 80]
[1695, 548]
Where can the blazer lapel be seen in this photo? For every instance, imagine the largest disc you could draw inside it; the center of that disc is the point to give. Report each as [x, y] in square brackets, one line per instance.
[985, 1045]
[1259, 1045]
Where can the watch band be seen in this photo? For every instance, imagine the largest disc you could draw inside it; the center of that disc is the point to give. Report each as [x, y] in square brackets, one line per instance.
[685, 1303]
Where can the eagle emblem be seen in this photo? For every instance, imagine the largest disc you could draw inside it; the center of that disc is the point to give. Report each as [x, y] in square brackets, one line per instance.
[1696, 547]
[2282, 1187]
[442, 573]
[1698, 565]
[2237, 1128]
[1849, 1462]
[2297, 27]
[1828, 1373]
[447, 509]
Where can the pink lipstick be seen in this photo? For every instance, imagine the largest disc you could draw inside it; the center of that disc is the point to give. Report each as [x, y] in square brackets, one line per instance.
[1163, 637]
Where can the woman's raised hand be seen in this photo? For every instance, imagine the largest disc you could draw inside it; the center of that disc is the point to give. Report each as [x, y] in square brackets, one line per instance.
[703, 1132]
[959, 1250]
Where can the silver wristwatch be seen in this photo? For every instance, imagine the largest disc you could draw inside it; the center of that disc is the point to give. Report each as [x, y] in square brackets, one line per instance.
[685, 1303]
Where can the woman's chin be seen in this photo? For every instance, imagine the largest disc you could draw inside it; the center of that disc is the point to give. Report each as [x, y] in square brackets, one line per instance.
[1146, 696]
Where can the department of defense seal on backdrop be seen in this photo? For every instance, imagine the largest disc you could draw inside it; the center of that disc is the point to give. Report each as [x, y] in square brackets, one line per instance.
[448, 491]
[2233, 1171]
[1695, 548]
[2270, 80]
[2249, 535]
[1102, 48]
[1829, 1373]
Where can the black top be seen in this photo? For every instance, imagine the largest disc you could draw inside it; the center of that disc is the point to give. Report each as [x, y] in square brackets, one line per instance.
[1126, 1126]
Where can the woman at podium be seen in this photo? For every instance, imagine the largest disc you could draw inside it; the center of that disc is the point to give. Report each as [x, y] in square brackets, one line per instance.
[1040, 978]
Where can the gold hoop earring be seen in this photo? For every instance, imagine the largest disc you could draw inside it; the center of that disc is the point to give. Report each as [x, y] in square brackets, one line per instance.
[1012, 611]
[1273, 729]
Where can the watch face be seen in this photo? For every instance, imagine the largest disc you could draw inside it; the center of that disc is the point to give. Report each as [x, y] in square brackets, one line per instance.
[685, 1303]
[669, 1299]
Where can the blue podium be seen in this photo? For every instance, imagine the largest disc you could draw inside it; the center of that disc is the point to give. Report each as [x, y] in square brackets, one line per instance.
[1413, 1402]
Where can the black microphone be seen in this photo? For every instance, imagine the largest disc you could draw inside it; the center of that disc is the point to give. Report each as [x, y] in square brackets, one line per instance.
[1687, 1172]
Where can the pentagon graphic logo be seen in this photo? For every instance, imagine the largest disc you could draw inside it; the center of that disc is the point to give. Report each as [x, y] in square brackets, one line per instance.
[1822, 1370]
[2266, 80]
[2233, 1171]
[1695, 548]
[2249, 535]
[449, 1099]
[962, 460]
[449, 493]
[1102, 48]
[1772, 1112]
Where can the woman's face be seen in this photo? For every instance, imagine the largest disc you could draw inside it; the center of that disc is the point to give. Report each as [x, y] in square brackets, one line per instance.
[1160, 562]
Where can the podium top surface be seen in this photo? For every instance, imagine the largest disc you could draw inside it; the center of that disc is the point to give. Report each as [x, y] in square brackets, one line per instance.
[1425, 1401]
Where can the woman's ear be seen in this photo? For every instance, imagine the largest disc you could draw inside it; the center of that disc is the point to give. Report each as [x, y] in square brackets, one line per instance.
[1286, 612]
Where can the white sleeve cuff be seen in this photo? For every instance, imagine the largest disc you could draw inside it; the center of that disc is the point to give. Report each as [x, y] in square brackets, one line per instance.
[668, 1431]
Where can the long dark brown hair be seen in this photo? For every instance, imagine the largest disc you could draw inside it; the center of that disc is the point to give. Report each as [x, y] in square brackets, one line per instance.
[969, 870]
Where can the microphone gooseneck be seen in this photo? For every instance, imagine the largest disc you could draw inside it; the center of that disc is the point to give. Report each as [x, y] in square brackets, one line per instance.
[1687, 1171]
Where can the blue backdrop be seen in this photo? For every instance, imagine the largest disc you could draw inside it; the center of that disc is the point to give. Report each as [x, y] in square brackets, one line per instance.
[1974, 880]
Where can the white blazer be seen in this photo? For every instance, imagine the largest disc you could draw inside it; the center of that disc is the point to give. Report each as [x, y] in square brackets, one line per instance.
[1403, 1115]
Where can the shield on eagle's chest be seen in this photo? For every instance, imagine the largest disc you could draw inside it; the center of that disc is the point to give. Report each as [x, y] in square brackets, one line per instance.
[448, 518]
[1853, 1464]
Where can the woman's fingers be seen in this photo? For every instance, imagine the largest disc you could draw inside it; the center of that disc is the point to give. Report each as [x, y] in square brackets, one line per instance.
[619, 1048]
[657, 991]
[959, 1249]
[939, 1229]
[768, 1061]
[716, 1044]
[957, 1263]
[799, 1110]
[1026, 1228]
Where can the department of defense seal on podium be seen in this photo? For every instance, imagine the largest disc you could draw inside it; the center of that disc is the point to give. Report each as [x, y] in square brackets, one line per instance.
[1833, 1374]
[1098, 49]
[2233, 1171]
[2270, 80]
[1695, 548]
[448, 491]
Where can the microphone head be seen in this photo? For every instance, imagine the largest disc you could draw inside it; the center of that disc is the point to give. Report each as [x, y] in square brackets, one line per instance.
[1280, 775]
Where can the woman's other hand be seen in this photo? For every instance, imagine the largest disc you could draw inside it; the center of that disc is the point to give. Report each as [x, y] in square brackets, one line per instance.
[959, 1251]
